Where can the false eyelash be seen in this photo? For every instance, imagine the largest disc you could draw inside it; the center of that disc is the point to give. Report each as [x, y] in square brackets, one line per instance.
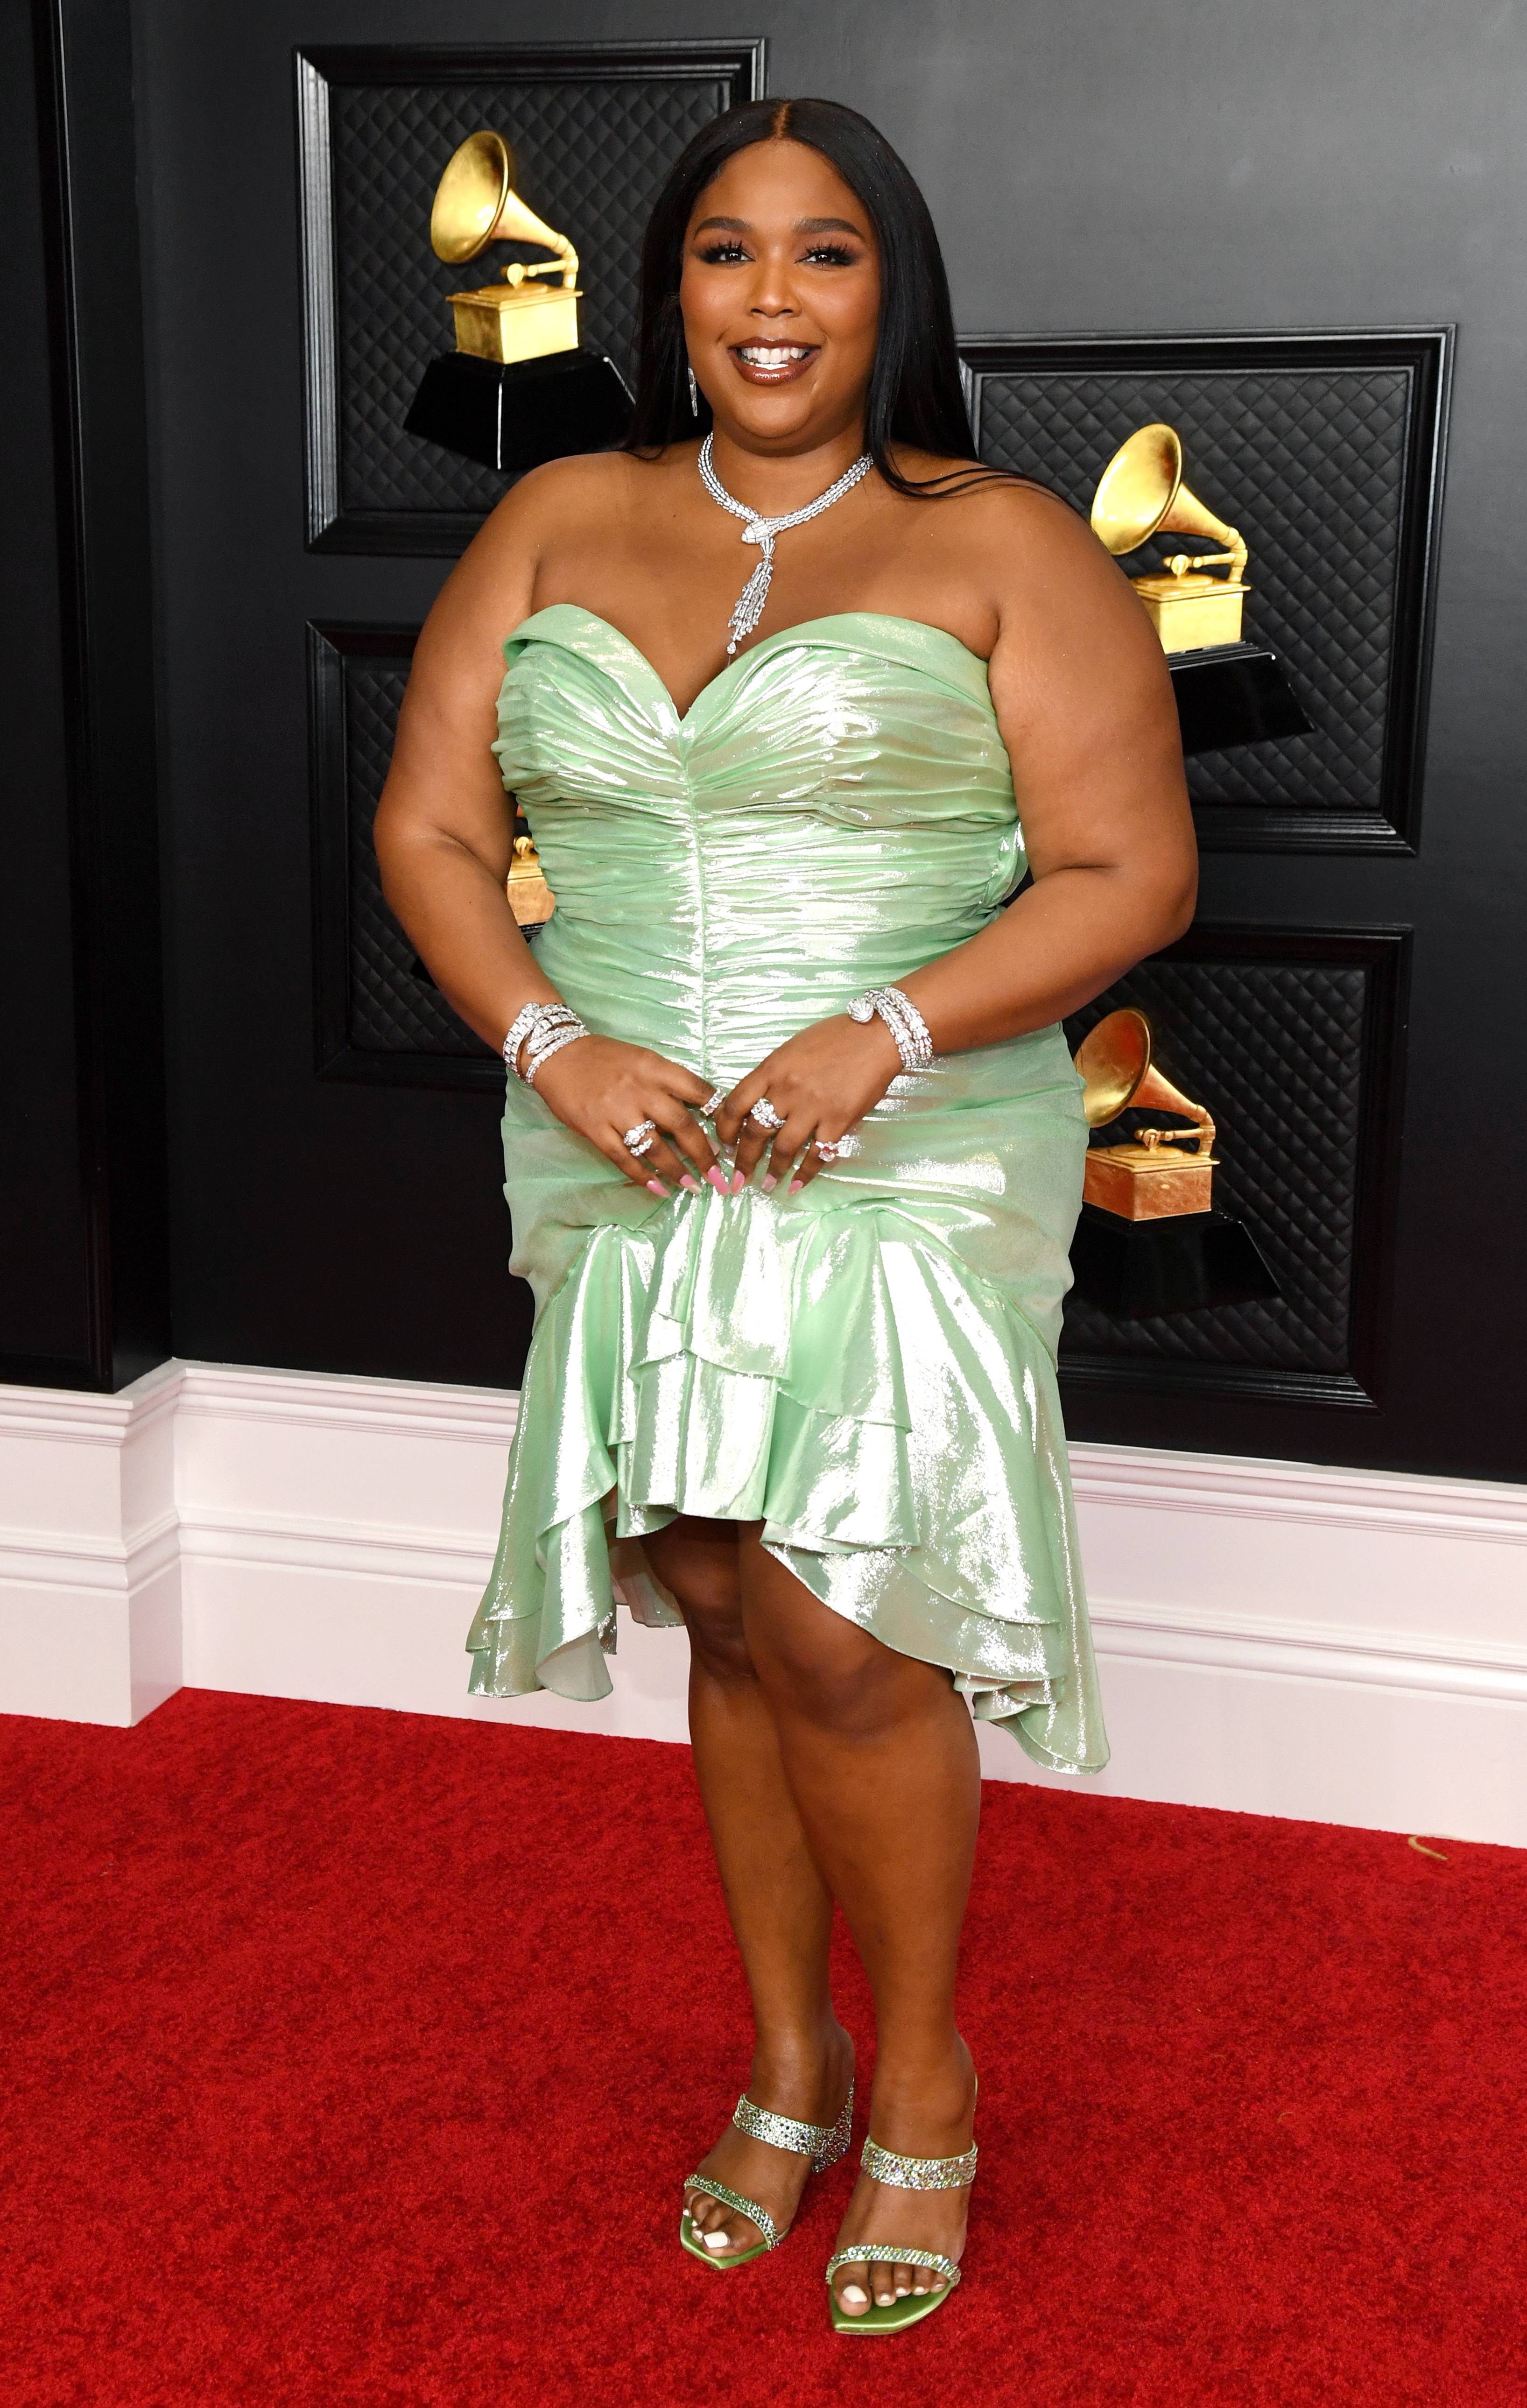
[719, 250]
[837, 253]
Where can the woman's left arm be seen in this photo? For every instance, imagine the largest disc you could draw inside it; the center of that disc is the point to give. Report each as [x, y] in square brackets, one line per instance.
[1081, 687]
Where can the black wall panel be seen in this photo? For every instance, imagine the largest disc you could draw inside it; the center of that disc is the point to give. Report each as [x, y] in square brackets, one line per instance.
[84, 1269]
[44, 1234]
[1296, 1033]
[594, 129]
[1326, 452]
[1342, 171]
[377, 1012]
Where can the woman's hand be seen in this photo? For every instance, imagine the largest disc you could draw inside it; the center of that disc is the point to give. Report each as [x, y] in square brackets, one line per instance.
[821, 1083]
[604, 1089]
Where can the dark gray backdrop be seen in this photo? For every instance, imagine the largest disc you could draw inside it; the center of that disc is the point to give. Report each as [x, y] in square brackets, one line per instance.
[1268, 164]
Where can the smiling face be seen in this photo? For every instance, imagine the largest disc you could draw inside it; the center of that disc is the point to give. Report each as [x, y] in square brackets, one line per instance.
[780, 294]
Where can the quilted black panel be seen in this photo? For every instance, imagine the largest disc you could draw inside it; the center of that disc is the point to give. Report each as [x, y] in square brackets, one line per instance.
[1276, 1051]
[590, 154]
[392, 1010]
[1310, 465]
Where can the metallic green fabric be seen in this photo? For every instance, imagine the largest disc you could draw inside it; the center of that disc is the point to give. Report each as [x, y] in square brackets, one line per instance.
[866, 1367]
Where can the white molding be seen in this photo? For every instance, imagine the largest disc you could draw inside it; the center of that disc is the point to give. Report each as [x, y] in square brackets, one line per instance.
[380, 1553]
[330, 1400]
[1310, 1651]
[1256, 1488]
[1292, 1638]
[111, 1565]
[79, 1418]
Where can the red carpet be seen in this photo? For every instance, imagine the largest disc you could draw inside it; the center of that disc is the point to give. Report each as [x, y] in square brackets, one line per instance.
[359, 2056]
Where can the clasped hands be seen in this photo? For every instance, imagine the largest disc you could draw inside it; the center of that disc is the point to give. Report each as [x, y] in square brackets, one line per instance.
[821, 1082]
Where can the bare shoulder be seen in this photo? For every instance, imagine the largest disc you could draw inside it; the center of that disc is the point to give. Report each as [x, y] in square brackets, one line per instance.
[560, 494]
[494, 584]
[1012, 526]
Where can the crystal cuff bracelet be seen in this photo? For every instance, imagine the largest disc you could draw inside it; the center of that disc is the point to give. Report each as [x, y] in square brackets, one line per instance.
[543, 1044]
[533, 1030]
[906, 1022]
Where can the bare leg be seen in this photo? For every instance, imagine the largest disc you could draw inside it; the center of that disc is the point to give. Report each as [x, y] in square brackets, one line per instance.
[779, 1907]
[881, 1757]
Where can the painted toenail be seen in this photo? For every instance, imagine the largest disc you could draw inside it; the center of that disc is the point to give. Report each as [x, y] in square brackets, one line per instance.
[852, 2296]
[715, 2240]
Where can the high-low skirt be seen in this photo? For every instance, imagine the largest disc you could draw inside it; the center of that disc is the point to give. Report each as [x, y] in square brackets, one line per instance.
[866, 1368]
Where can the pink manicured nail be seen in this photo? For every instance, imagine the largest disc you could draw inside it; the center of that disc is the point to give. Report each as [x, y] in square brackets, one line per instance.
[718, 1181]
[738, 1182]
[690, 1181]
[770, 1183]
[656, 1187]
[796, 1186]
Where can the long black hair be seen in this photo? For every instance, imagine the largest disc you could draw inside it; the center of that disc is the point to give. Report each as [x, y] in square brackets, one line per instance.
[915, 395]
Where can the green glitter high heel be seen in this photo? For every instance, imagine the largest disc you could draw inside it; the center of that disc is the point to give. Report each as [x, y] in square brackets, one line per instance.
[824, 2143]
[901, 2174]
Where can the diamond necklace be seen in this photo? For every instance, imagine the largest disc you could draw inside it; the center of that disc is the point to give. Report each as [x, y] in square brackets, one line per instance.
[755, 593]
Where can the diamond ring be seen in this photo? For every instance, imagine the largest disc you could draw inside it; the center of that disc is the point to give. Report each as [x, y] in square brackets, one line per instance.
[712, 1105]
[763, 1114]
[831, 1148]
[638, 1140]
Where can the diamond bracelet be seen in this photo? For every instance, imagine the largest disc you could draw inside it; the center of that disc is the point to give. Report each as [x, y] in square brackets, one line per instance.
[913, 1041]
[541, 1029]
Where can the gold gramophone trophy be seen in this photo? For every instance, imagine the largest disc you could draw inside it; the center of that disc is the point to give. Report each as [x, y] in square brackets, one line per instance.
[474, 205]
[519, 388]
[1150, 1239]
[531, 899]
[1147, 1178]
[1141, 494]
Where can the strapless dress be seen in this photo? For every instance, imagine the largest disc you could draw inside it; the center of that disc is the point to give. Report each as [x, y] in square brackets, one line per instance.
[867, 1369]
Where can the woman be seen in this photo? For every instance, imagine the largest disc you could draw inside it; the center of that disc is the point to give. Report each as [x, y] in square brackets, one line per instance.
[794, 1143]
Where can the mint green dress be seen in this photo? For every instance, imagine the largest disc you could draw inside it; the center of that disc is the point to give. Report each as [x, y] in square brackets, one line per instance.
[868, 1367]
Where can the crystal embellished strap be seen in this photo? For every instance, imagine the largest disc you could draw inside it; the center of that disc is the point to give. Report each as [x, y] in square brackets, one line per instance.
[893, 2253]
[917, 2173]
[734, 2199]
[785, 2132]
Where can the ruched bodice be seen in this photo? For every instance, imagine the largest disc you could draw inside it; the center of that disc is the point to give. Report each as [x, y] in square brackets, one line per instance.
[708, 867]
[866, 1368]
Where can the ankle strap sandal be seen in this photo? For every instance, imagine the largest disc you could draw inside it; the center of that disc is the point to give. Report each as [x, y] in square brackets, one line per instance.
[824, 2143]
[901, 2174]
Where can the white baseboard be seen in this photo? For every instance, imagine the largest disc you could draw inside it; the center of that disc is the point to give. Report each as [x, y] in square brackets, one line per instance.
[1285, 1639]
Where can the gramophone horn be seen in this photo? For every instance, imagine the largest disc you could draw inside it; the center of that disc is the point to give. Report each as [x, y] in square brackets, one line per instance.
[476, 204]
[1112, 1060]
[1141, 494]
[1114, 1063]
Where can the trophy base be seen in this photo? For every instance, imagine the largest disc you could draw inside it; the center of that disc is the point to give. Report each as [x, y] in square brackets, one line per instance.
[1139, 1184]
[1191, 612]
[512, 415]
[1140, 1268]
[1234, 694]
[507, 321]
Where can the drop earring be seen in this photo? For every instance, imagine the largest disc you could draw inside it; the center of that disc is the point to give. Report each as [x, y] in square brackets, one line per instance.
[694, 396]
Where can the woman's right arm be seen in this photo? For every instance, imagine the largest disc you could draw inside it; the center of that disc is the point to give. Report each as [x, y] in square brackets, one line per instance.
[444, 839]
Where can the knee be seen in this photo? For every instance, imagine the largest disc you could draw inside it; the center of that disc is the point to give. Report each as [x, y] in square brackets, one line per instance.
[712, 1612]
[698, 1567]
[718, 1639]
[823, 1671]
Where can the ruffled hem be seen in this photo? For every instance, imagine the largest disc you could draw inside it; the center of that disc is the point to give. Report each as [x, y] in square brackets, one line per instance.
[839, 1376]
